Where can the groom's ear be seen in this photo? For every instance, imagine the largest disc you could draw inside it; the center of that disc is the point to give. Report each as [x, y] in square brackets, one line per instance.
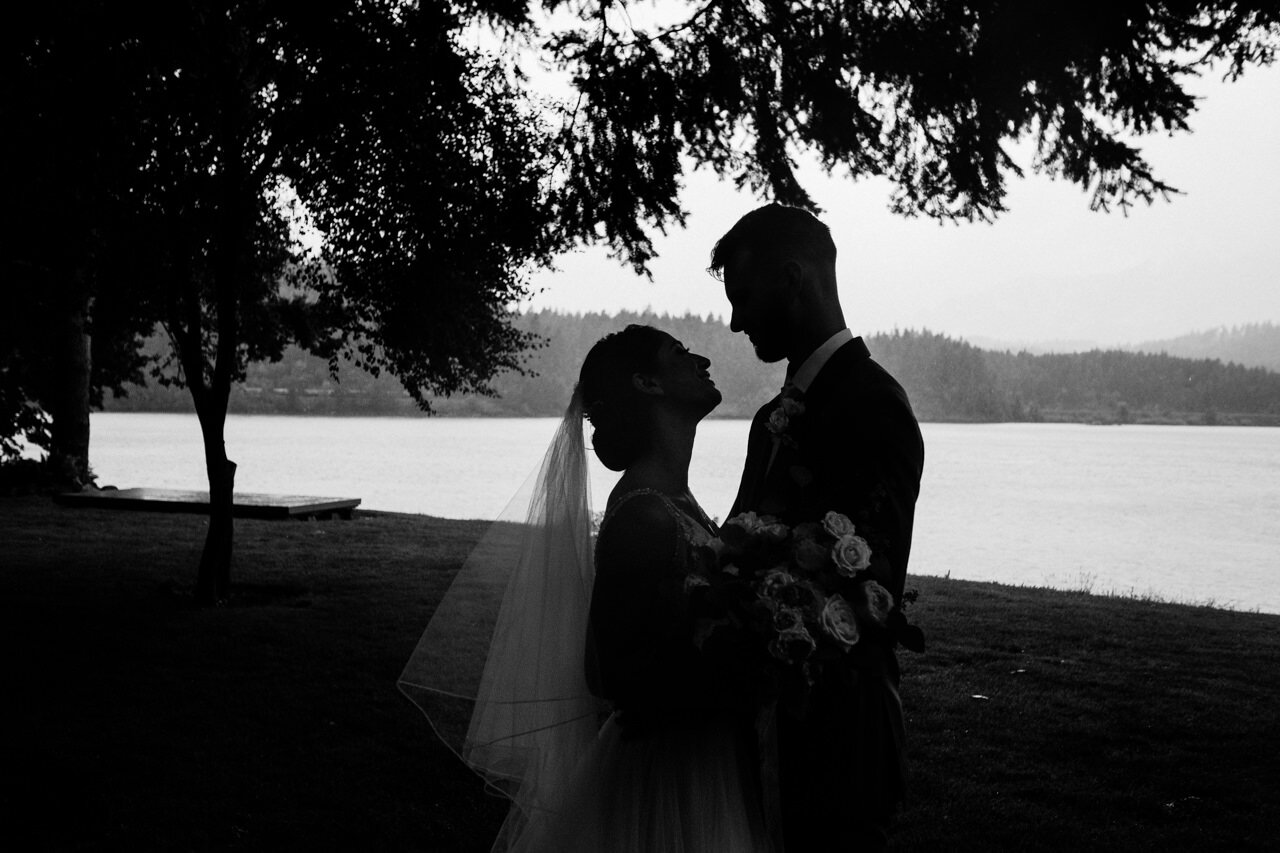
[646, 384]
[792, 275]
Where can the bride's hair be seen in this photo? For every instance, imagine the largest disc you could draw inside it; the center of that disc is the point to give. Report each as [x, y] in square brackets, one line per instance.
[616, 409]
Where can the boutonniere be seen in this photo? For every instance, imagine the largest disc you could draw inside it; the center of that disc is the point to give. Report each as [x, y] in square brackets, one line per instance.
[790, 406]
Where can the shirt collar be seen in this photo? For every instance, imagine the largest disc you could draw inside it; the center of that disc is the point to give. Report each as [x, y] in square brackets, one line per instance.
[807, 372]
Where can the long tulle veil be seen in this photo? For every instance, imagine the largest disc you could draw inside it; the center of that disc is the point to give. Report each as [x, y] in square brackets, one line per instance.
[501, 671]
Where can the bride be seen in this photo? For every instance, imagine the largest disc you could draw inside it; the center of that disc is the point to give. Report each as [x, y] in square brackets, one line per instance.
[567, 640]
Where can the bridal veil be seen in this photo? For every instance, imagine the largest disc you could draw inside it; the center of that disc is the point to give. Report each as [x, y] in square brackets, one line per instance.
[501, 671]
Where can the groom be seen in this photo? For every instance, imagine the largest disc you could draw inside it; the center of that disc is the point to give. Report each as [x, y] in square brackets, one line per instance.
[851, 445]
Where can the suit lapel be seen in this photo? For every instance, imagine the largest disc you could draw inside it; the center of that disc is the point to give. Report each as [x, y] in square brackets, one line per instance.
[786, 489]
[839, 367]
[759, 449]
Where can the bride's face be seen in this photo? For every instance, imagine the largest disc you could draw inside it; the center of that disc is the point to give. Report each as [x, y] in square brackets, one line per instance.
[685, 378]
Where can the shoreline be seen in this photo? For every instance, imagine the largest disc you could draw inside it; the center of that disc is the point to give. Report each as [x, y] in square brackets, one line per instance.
[1100, 417]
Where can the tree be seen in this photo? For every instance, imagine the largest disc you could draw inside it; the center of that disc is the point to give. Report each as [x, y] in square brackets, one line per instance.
[414, 154]
[67, 153]
[426, 168]
[417, 162]
[928, 93]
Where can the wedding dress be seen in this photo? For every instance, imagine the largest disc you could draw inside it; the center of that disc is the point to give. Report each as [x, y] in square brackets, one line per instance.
[672, 767]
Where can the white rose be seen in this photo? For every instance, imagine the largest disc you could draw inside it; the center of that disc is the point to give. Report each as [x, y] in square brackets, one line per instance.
[788, 619]
[692, 582]
[874, 602]
[737, 532]
[778, 421]
[773, 531]
[839, 622]
[791, 407]
[774, 580]
[792, 646]
[748, 521]
[809, 555]
[837, 524]
[851, 554]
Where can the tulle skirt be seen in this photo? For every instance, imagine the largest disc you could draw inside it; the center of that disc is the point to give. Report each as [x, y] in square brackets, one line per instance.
[689, 789]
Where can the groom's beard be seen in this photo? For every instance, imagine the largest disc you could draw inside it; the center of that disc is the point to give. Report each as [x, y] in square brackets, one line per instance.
[770, 351]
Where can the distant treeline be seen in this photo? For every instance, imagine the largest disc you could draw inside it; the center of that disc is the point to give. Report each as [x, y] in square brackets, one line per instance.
[947, 380]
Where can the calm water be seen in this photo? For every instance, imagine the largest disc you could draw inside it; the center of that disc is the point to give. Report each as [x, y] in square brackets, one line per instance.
[1185, 513]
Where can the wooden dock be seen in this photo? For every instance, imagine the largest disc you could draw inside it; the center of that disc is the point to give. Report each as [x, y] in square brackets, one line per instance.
[245, 505]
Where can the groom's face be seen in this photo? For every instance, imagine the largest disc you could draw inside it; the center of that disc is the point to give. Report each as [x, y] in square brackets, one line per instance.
[759, 305]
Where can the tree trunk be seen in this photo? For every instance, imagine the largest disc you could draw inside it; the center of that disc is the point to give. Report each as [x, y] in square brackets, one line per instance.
[233, 256]
[68, 400]
[213, 582]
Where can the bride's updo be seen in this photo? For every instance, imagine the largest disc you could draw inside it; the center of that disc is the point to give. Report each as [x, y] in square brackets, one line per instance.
[616, 409]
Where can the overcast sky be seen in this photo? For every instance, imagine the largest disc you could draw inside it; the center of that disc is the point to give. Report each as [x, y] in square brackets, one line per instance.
[1047, 271]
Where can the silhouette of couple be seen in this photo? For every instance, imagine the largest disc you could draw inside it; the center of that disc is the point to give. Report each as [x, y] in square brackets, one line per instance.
[691, 754]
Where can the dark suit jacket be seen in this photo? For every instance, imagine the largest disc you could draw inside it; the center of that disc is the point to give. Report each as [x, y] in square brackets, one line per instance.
[855, 449]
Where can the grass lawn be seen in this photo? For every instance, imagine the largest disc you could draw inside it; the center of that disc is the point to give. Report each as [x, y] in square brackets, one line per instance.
[1037, 720]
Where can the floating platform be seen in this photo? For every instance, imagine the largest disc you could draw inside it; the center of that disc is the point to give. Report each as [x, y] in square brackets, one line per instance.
[245, 504]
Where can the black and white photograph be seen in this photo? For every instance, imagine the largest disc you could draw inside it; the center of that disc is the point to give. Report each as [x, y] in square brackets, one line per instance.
[679, 426]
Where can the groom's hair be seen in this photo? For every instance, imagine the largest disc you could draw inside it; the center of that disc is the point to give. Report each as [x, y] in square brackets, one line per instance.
[772, 233]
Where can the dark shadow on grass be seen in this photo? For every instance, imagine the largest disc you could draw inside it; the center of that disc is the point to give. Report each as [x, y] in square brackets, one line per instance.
[244, 595]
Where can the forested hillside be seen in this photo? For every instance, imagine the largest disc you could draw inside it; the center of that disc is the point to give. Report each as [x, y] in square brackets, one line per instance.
[947, 379]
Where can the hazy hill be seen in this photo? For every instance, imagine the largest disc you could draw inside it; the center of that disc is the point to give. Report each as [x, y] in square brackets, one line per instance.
[1252, 345]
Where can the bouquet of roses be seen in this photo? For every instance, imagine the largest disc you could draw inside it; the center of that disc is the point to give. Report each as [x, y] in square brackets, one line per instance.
[804, 592]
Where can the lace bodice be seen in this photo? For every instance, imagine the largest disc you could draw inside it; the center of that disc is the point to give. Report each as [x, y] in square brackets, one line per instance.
[695, 529]
[643, 630]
